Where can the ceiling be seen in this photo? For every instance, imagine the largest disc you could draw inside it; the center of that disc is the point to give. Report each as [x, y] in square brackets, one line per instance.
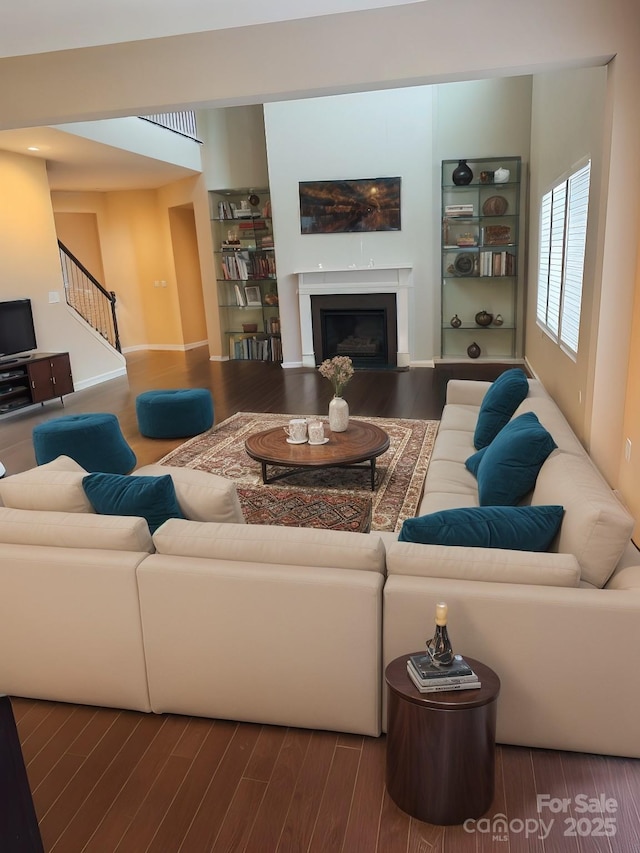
[82, 165]
[31, 26]
[78, 164]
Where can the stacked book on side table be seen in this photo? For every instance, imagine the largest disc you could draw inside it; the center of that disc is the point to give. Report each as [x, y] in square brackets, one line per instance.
[429, 678]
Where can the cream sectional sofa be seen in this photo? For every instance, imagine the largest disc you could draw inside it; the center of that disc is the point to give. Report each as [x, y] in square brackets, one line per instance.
[294, 626]
[559, 627]
[209, 617]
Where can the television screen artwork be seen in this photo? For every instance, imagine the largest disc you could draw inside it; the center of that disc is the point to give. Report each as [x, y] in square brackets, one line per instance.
[366, 204]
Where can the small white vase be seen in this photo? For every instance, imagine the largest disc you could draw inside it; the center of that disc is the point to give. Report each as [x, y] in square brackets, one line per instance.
[338, 414]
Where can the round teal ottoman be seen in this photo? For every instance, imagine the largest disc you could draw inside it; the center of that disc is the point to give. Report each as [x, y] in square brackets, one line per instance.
[176, 413]
[95, 441]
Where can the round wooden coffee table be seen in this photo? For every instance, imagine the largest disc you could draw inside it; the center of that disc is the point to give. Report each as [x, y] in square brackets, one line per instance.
[361, 442]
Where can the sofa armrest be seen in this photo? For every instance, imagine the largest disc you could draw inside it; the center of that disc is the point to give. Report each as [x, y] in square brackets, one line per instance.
[497, 565]
[466, 392]
[625, 578]
[564, 656]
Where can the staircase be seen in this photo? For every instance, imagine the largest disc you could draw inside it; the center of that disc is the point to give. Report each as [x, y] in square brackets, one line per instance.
[93, 302]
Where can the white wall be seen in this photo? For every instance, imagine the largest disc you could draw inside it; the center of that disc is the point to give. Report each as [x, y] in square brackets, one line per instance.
[371, 135]
[141, 137]
[399, 132]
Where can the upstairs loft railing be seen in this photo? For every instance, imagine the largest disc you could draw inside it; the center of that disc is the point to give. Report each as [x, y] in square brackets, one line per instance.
[183, 122]
[93, 302]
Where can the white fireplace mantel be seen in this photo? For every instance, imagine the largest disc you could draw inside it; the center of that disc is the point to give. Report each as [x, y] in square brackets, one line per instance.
[386, 279]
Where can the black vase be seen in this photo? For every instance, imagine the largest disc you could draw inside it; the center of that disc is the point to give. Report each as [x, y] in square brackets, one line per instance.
[473, 350]
[462, 174]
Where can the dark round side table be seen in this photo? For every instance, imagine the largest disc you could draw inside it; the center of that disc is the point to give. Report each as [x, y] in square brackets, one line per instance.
[441, 746]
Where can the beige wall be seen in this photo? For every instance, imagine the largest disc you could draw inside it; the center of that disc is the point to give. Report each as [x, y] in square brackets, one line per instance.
[137, 250]
[630, 462]
[79, 233]
[189, 281]
[568, 118]
[31, 268]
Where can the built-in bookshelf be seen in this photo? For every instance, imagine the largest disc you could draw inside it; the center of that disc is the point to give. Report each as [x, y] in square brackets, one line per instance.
[481, 294]
[247, 282]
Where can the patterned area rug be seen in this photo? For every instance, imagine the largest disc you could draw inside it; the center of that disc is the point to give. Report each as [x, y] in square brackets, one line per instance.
[400, 472]
[302, 508]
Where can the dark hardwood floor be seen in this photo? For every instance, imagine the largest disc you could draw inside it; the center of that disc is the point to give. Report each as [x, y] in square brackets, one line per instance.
[106, 780]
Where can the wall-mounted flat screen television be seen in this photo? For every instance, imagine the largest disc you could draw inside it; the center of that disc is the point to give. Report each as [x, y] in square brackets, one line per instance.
[364, 204]
[17, 334]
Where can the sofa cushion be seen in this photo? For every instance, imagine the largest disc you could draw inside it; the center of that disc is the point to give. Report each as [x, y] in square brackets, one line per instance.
[74, 530]
[151, 498]
[482, 564]
[292, 546]
[498, 405]
[55, 486]
[507, 469]
[201, 496]
[596, 527]
[519, 528]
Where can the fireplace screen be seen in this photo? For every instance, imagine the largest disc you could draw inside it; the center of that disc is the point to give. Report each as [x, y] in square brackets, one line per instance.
[360, 335]
[362, 327]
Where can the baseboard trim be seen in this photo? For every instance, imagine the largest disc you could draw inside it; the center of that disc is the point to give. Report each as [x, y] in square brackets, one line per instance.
[97, 380]
[166, 347]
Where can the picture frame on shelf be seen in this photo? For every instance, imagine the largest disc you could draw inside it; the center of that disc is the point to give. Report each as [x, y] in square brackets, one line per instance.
[253, 296]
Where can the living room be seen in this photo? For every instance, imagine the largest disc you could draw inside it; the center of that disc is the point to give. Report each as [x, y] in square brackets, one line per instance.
[603, 415]
[604, 429]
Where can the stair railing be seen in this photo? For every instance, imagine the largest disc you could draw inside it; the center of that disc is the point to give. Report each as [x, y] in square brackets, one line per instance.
[93, 302]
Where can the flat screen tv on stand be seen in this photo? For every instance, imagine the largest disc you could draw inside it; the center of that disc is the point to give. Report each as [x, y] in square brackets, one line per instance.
[17, 333]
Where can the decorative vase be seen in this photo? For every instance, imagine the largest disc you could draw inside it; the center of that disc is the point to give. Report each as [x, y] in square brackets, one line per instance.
[455, 321]
[462, 174]
[473, 350]
[338, 414]
[498, 320]
[483, 318]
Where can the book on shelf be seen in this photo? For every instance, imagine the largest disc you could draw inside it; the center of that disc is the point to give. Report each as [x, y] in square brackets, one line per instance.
[254, 347]
[240, 298]
[497, 263]
[245, 213]
[452, 679]
[442, 688]
[458, 210]
[425, 668]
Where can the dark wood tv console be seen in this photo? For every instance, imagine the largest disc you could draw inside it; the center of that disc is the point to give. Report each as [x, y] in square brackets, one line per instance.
[36, 378]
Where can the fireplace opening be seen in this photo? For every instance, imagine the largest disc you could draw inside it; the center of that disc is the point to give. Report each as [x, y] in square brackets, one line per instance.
[360, 326]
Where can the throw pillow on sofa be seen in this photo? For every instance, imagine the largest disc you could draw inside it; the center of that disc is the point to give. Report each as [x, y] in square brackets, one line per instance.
[498, 405]
[507, 469]
[517, 528]
[152, 498]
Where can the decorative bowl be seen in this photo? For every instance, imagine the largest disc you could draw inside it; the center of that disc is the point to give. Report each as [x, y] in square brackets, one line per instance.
[495, 205]
[464, 263]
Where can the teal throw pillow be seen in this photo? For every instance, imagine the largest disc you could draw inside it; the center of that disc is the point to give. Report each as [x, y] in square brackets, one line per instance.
[498, 405]
[518, 528]
[507, 469]
[152, 498]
